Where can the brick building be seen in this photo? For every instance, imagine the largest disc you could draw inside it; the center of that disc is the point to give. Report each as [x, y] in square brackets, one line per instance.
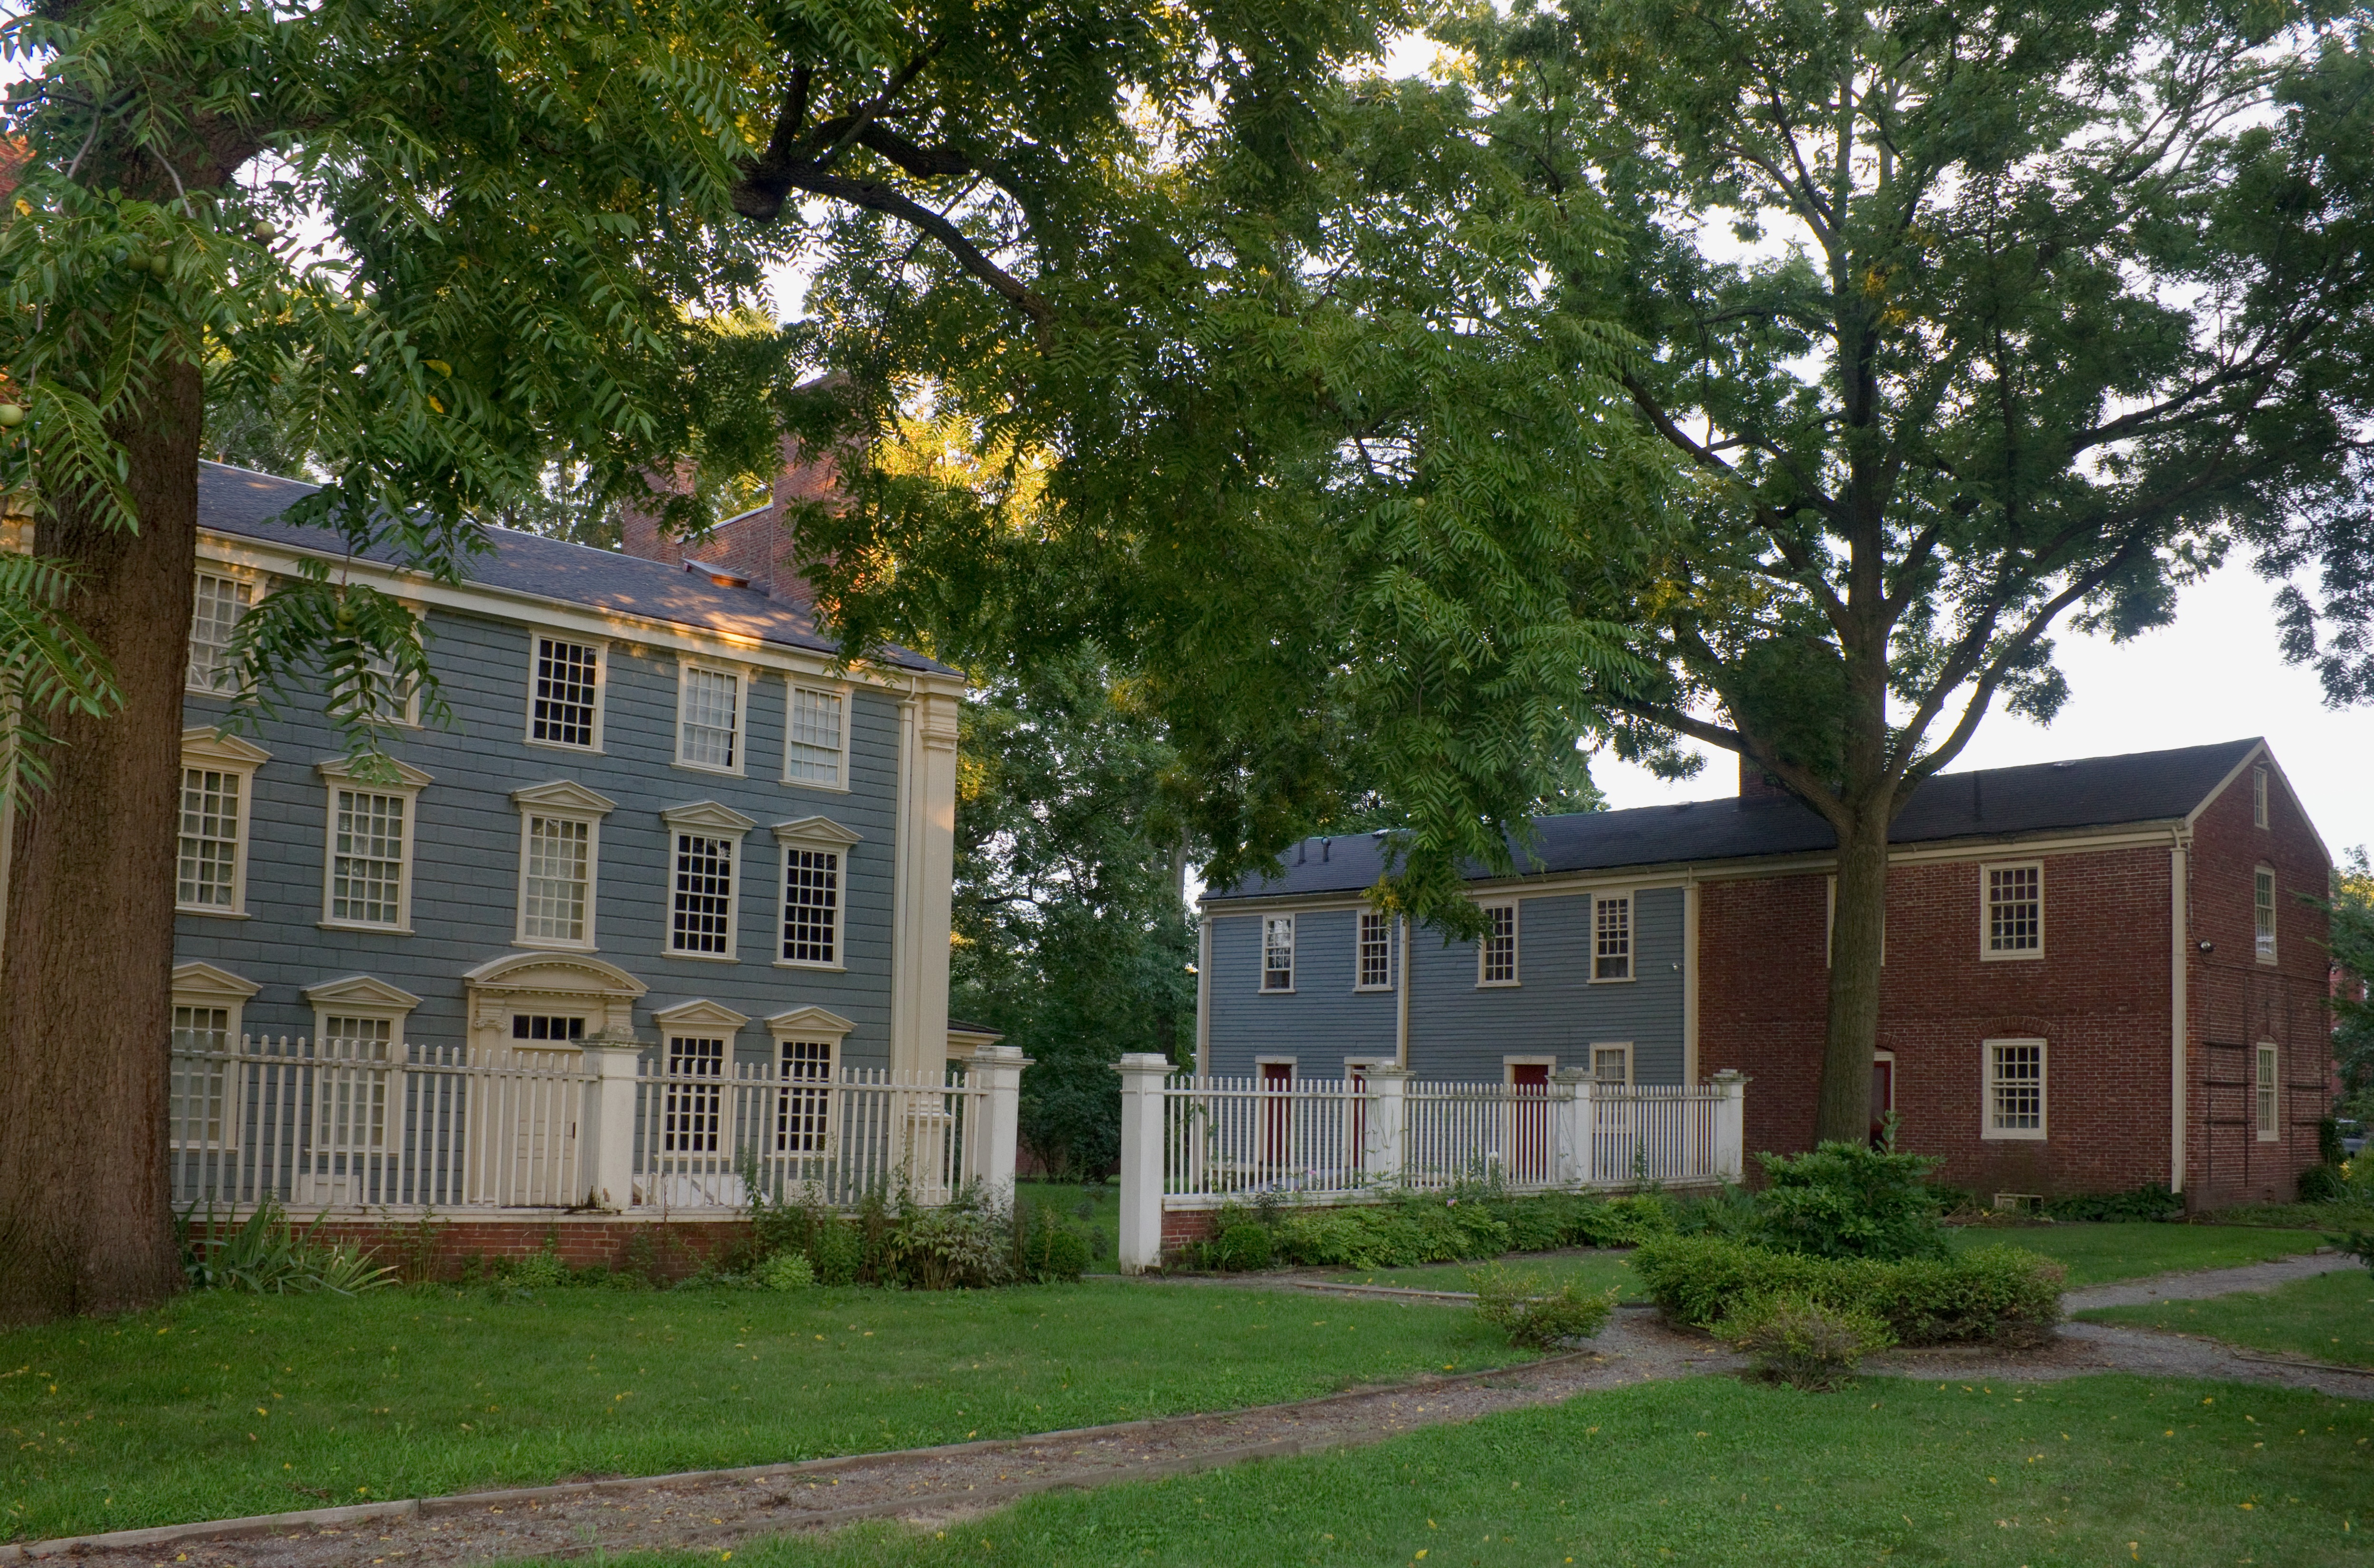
[2100, 973]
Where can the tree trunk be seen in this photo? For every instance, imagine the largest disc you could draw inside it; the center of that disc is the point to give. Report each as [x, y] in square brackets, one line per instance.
[84, 986]
[1858, 935]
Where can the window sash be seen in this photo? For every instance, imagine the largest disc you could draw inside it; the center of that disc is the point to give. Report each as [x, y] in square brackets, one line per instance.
[557, 879]
[1277, 953]
[694, 1114]
[1498, 959]
[566, 701]
[1376, 951]
[2015, 1088]
[201, 1112]
[2263, 913]
[803, 1106]
[2014, 910]
[2258, 797]
[215, 614]
[547, 1026]
[1611, 1065]
[811, 905]
[701, 914]
[209, 846]
[814, 749]
[712, 701]
[2268, 1107]
[350, 1104]
[1612, 939]
[367, 858]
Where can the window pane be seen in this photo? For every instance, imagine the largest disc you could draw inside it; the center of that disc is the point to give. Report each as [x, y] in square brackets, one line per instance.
[803, 1106]
[199, 1106]
[557, 855]
[545, 1026]
[214, 615]
[1608, 1063]
[710, 700]
[2268, 1125]
[2018, 1088]
[367, 860]
[1500, 944]
[2263, 912]
[1612, 940]
[1376, 949]
[209, 855]
[704, 894]
[811, 898]
[815, 737]
[566, 677]
[695, 1095]
[2014, 910]
[1277, 953]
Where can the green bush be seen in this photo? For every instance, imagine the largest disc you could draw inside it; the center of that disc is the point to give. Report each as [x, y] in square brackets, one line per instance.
[267, 1256]
[2329, 1151]
[1239, 1246]
[1536, 1318]
[836, 1251]
[786, 1272]
[1996, 1295]
[2321, 1184]
[1805, 1343]
[1534, 1224]
[537, 1271]
[1046, 1250]
[2151, 1202]
[1849, 1200]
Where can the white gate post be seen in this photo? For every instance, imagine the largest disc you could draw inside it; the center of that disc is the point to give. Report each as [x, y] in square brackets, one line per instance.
[1142, 1074]
[1381, 1120]
[1000, 1068]
[606, 1134]
[1570, 1127]
[1731, 1125]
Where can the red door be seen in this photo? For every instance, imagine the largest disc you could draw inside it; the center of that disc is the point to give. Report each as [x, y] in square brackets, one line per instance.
[1529, 1122]
[1277, 1084]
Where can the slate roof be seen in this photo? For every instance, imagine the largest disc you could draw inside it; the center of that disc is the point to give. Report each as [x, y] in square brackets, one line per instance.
[2102, 791]
[242, 502]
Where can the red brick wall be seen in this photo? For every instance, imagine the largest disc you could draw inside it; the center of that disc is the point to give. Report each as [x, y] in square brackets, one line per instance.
[2099, 998]
[676, 1248]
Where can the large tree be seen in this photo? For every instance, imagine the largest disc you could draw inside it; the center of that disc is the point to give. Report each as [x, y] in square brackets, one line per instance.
[538, 224]
[1964, 323]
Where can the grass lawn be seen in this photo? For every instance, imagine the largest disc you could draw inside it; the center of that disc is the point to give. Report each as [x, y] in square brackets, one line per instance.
[1714, 1472]
[1593, 1270]
[222, 1405]
[2098, 1254]
[1066, 1198]
[2330, 1318]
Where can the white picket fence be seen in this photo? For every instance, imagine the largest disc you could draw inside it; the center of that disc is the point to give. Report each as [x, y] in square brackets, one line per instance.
[1196, 1142]
[370, 1125]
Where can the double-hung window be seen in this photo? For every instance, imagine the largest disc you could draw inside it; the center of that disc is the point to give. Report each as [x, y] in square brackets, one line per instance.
[2013, 913]
[1496, 954]
[1277, 953]
[2263, 913]
[564, 704]
[814, 891]
[203, 1097]
[807, 1053]
[221, 603]
[816, 741]
[2258, 797]
[2270, 1124]
[218, 783]
[705, 843]
[708, 719]
[2015, 1102]
[1611, 937]
[560, 844]
[367, 873]
[1376, 954]
[694, 1115]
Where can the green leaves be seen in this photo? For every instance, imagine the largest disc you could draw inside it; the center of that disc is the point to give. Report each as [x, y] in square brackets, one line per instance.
[47, 665]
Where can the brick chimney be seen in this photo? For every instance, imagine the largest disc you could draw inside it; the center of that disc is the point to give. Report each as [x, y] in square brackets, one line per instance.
[754, 549]
[1754, 784]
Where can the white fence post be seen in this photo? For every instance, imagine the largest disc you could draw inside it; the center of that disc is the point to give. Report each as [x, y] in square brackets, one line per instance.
[1000, 1070]
[1731, 1125]
[1383, 1116]
[609, 1120]
[1570, 1127]
[1142, 1074]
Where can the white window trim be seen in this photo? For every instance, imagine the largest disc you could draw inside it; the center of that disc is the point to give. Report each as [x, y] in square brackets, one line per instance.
[2259, 796]
[807, 1023]
[1830, 926]
[792, 684]
[1393, 951]
[363, 996]
[713, 821]
[338, 774]
[409, 719]
[565, 801]
[685, 666]
[1516, 948]
[203, 985]
[256, 582]
[1509, 1065]
[1987, 1129]
[209, 750]
[1987, 955]
[2271, 953]
[602, 654]
[1631, 933]
[1261, 959]
[813, 833]
[1291, 1064]
[1590, 1060]
[2268, 1091]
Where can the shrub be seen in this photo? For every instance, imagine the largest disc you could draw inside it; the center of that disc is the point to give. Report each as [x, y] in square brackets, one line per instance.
[2360, 1246]
[836, 1251]
[266, 1256]
[1997, 1294]
[1534, 1225]
[538, 1271]
[1847, 1201]
[786, 1272]
[1045, 1250]
[2321, 1184]
[1239, 1246]
[1805, 1343]
[948, 1248]
[2151, 1202]
[1518, 1306]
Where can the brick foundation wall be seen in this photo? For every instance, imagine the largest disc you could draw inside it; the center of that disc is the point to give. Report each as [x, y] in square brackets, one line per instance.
[1181, 1226]
[676, 1248]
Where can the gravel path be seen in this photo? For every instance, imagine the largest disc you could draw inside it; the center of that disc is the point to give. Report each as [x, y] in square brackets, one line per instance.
[2201, 1282]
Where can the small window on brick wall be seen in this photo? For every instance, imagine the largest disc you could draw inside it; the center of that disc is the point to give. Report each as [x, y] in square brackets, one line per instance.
[2269, 1105]
[2015, 911]
[2263, 913]
[2014, 1089]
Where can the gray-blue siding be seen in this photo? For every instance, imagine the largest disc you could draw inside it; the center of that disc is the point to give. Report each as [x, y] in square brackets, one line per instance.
[1459, 1031]
[466, 849]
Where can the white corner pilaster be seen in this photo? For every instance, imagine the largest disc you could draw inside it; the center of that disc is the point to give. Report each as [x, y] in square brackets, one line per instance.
[1570, 1115]
[998, 1069]
[1731, 1125]
[1142, 1075]
[1383, 1118]
[613, 1056]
